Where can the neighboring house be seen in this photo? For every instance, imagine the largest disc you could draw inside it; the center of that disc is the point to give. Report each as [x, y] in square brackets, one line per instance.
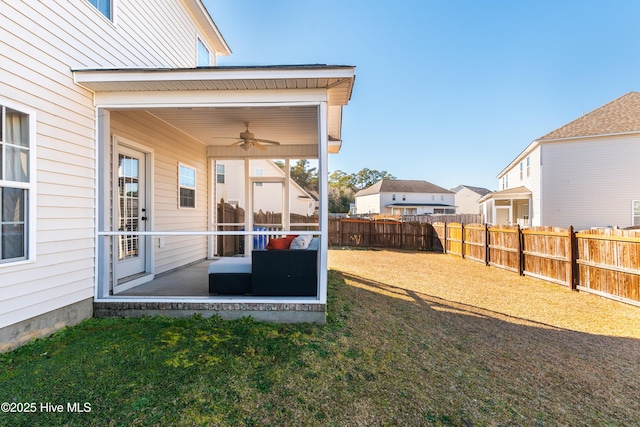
[404, 197]
[583, 174]
[268, 186]
[467, 198]
[108, 124]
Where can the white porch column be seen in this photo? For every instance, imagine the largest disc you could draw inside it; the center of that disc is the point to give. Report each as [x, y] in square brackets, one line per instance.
[286, 208]
[103, 201]
[248, 213]
[323, 190]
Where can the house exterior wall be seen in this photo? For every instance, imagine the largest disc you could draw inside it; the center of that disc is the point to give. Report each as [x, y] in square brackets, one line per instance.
[590, 182]
[170, 148]
[269, 200]
[40, 43]
[466, 202]
[368, 204]
[377, 203]
[531, 179]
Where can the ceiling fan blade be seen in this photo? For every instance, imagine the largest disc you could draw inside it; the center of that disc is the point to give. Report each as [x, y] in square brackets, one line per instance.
[236, 143]
[259, 146]
[267, 141]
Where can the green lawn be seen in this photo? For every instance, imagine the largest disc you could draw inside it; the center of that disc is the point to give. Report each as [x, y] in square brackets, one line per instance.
[379, 360]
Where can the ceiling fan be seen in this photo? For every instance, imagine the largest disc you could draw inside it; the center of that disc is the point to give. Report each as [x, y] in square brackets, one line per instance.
[248, 139]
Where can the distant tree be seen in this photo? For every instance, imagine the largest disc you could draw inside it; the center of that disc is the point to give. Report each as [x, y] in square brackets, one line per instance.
[343, 186]
[367, 177]
[302, 174]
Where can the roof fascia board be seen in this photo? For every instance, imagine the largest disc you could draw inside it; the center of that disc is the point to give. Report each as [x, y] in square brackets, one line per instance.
[519, 157]
[206, 23]
[604, 135]
[209, 73]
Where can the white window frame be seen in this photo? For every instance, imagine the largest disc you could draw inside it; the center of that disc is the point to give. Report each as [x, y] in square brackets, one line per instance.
[29, 186]
[188, 187]
[521, 171]
[200, 48]
[635, 217]
[112, 9]
[223, 174]
[528, 169]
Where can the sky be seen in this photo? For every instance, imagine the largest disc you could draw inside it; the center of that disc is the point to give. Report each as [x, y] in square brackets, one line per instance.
[447, 91]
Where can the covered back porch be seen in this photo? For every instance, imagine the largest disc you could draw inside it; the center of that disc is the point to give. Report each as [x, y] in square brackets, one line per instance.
[512, 206]
[176, 149]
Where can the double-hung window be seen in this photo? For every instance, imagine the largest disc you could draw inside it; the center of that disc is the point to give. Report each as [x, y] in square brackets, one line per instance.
[635, 212]
[15, 184]
[187, 186]
[220, 172]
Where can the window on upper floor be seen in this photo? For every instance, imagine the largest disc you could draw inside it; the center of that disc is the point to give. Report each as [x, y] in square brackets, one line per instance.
[635, 212]
[393, 197]
[521, 171]
[528, 170]
[204, 57]
[16, 182]
[105, 7]
[186, 186]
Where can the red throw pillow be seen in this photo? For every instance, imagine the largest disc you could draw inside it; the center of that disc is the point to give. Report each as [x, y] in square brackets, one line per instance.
[279, 244]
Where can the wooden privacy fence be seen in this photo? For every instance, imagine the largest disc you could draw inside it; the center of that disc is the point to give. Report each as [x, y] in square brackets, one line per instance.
[604, 262]
[367, 233]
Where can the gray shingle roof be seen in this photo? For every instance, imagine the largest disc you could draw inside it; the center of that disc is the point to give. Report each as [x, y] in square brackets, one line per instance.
[478, 190]
[402, 186]
[622, 115]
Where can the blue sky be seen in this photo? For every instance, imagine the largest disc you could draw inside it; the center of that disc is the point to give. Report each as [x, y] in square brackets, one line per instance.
[447, 91]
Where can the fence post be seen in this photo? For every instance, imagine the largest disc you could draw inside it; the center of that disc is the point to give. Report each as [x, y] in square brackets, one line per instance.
[573, 252]
[370, 233]
[444, 243]
[462, 240]
[487, 255]
[520, 250]
[339, 231]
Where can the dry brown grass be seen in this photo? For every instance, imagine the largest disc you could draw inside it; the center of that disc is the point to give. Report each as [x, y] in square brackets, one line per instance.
[425, 274]
[483, 346]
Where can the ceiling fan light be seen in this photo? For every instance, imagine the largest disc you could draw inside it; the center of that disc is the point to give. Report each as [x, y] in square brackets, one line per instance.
[245, 146]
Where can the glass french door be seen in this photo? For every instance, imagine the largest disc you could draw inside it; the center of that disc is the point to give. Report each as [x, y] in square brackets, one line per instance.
[131, 213]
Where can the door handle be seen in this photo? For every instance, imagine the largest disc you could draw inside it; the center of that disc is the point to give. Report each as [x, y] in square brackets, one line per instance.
[144, 218]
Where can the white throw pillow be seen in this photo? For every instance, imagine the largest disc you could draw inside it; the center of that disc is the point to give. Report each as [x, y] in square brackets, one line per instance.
[301, 242]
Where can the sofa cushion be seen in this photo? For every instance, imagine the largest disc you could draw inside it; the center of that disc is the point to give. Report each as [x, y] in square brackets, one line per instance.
[301, 242]
[314, 245]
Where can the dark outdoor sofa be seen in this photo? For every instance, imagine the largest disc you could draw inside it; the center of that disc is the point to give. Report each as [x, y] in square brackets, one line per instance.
[286, 272]
[277, 273]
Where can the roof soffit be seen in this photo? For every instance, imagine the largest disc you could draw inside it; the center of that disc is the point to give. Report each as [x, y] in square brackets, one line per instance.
[337, 81]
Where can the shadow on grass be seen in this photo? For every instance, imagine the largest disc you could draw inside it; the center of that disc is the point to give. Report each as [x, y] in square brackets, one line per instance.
[542, 374]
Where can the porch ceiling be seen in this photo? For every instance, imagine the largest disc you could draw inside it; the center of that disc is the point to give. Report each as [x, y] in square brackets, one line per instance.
[294, 126]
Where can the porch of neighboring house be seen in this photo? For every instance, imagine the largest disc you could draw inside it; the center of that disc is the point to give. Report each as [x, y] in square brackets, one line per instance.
[508, 207]
[163, 186]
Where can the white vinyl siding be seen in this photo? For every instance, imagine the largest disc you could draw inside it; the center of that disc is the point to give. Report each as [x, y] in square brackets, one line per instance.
[590, 182]
[165, 214]
[40, 43]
